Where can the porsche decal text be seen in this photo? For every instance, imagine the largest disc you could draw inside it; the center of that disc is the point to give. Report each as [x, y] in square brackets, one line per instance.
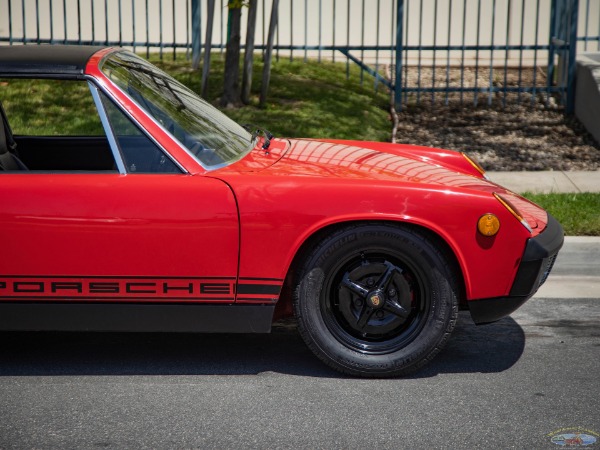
[133, 289]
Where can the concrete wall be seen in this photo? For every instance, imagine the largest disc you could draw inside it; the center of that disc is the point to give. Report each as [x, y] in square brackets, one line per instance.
[587, 97]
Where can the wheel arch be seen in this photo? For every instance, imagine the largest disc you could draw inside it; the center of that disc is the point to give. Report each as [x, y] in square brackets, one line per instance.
[284, 307]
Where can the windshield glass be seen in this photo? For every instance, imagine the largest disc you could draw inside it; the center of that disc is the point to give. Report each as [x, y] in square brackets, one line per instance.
[209, 135]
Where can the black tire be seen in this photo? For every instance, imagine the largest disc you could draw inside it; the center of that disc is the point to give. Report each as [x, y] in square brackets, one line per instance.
[376, 300]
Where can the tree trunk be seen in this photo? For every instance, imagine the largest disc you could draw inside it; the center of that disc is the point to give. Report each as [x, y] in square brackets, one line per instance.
[207, 47]
[231, 94]
[269, 53]
[249, 52]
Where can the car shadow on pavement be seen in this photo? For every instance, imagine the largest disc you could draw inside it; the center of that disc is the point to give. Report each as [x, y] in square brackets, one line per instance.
[487, 348]
[491, 348]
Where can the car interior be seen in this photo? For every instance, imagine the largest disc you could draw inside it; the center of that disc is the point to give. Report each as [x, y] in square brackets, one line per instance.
[19, 153]
[52, 153]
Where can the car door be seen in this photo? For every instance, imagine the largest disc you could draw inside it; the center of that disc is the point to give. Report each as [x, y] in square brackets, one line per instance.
[136, 228]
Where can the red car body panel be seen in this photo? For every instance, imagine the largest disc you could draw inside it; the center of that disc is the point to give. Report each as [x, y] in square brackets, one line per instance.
[232, 234]
[319, 184]
[102, 225]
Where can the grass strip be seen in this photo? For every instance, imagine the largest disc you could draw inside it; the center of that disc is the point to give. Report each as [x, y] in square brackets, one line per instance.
[578, 213]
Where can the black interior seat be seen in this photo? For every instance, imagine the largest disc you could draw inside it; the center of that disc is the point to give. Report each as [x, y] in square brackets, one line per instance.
[8, 146]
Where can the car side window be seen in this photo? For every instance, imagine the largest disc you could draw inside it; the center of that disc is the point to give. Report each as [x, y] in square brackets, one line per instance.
[140, 154]
[52, 126]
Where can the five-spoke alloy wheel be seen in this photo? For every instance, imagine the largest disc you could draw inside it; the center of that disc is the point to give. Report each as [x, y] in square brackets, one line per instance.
[376, 300]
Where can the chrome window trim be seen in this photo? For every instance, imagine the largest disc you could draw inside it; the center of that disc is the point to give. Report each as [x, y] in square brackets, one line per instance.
[114, 147]
[142, 129]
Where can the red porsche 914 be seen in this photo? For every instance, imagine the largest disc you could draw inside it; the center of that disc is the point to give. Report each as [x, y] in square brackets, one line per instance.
[169, 216]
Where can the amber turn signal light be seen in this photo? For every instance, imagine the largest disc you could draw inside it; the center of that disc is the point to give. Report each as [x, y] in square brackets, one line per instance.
[488, 225]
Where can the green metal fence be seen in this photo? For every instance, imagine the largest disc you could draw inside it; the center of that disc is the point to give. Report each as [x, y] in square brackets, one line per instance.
[426, 51]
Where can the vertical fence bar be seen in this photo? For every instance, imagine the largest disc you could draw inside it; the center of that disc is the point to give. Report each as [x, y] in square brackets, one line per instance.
[399, 50]
[106, 23]
[333, 33]
[521, 50]
[187, 30]
[93, 22]
[174, 35]
[348, 40]
[291, 30]
[37, 20]
[160, 29]
[392, 48]
[320, 28]
[51, 15]
[405, 44]
[65, 21]
[572, 57]
[305, 30]
[376, 81]
[222, 15]
[420, 51]
[462, 54]
[550, 73]
[506, 52]
[277, 39]
[478, 40]
[362, 41]
[120, 25]
[147, 32]
[435, 14]
[79, 21]
[23, 18]
[133, 24]
[448, 52]
[535, 52]
[491, 80]
[587, 22]
[10, 30]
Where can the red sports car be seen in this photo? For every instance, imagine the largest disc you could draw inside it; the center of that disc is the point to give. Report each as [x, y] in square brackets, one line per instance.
[168, 216]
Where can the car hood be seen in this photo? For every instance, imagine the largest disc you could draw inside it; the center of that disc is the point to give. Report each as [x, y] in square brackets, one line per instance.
[371, 161]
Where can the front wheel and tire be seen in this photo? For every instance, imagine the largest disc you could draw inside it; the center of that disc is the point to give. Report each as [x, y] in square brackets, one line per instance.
[376, 300]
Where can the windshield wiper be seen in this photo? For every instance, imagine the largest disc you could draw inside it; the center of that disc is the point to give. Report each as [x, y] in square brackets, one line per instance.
[255, 131]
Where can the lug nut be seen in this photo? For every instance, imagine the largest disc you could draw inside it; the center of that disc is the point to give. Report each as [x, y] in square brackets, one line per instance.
[370, 282]
[392, 292]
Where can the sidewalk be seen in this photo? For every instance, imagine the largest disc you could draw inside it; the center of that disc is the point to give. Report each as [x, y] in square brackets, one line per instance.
[548, 181]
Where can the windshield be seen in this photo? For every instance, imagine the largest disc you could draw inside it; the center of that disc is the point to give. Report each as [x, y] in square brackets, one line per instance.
[209, 135]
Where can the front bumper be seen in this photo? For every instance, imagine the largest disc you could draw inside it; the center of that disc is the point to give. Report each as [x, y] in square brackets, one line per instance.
[536, 264]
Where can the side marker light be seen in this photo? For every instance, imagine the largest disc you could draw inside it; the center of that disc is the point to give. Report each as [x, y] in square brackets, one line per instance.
[488, 225]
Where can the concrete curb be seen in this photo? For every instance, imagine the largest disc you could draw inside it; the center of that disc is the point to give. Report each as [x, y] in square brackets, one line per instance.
[548, 181]
[576, 273]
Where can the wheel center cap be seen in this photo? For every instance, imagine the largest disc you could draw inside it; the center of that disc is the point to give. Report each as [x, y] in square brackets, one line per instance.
[376, 300]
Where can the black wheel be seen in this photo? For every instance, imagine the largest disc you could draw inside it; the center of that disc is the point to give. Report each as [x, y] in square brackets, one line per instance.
[376, 300]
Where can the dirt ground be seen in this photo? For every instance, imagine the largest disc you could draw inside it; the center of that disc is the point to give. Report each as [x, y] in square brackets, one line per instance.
[515, 132]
